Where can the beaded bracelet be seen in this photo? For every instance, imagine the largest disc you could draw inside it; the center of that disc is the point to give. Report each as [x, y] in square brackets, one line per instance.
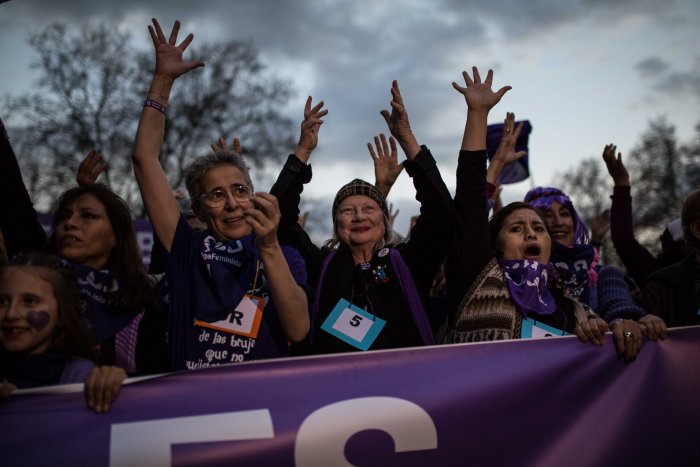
[156, 105]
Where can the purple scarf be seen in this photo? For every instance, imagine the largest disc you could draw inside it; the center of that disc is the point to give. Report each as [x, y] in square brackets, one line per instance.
[230, 267]
[576, 267]
[528, 285]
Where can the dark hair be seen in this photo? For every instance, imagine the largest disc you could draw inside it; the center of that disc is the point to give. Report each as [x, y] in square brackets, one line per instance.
[196, 170]
[497, 220]
[690, 214]
[70, 334]
[125, 257]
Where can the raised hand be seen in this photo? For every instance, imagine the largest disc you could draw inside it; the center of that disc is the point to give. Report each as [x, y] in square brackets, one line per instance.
[616, 169]
[399, 126]
[221, 145]
[505, 154]
[264, 218]
[308, 138]
[90, 168]
[393, 214]
[480, 96]
[386, 164]
[169, 61]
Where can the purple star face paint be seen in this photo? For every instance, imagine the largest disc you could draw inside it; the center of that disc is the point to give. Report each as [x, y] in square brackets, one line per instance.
[38, 319]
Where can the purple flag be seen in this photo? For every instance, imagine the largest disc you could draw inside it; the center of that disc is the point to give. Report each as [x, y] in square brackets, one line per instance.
[519, 170]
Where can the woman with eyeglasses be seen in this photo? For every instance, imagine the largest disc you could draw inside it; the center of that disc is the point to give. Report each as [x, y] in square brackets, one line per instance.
[234, 293]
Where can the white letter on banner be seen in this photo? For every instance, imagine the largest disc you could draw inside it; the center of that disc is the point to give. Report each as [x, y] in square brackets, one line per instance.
[322, 437]
[148, 443]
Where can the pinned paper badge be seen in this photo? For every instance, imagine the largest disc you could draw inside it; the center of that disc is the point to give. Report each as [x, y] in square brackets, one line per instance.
[383, 252]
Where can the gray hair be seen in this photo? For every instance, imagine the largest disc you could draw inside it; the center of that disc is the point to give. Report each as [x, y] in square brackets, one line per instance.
[390, 236]
[196, 170]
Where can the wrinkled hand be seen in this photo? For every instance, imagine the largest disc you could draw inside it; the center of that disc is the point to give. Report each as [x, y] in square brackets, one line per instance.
[386, 163]
[480, 96]
[653, 327]
[102, 387]
[220, 145]
[308, 138]
[169, 61]
[264, 218]
[591, 330]
[90, 168]
[627, 335]
[397, 120]
[506, 148]
[5, 390]
[616, 169]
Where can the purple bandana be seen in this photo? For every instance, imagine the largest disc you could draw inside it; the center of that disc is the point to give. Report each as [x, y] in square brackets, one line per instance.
[527, 283]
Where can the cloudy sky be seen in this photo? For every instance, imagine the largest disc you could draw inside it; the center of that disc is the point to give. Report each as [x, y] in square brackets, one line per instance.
[585, 73]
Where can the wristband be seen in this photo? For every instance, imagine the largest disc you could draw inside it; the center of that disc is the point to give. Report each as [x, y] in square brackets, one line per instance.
[156, 105]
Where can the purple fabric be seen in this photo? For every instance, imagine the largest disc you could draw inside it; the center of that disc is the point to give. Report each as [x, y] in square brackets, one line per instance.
[528, 283]
[543, 197]
[486, 402]
[519, 170]
[408, 285]
[125, 345]
[76, 370]
[96, 288]
[203, 274]
[575, 265]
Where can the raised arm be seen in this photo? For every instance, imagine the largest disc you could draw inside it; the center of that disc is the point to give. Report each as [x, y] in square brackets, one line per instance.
[636, 258]
[399, 126]
[471, 250]
[90, 168]
[308, 137]
[290, 299]
[480, 100]
[18, 219]
[386, 164]
[155, 190]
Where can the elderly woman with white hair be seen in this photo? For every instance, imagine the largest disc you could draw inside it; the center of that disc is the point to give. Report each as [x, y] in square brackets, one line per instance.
[369, 291]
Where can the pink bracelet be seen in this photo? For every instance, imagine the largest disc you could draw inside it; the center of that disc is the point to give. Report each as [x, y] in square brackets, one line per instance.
[156, 105]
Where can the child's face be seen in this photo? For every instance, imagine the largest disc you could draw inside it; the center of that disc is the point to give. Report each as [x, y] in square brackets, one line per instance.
[28, 311]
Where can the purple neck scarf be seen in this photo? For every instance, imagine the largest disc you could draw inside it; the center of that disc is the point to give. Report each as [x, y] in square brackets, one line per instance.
[528, 285]
[576, 267]
[230, 272]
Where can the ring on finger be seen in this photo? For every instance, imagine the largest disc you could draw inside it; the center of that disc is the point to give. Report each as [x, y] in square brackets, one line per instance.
[628, 334]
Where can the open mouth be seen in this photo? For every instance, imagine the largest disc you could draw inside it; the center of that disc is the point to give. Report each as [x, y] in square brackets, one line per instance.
[10, 331]
[233, 220]
[532, 252]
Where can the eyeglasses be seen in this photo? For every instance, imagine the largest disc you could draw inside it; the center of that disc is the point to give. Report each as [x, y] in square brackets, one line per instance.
[217, 197]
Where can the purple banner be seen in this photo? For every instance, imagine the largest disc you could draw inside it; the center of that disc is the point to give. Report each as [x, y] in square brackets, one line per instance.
[527, 402]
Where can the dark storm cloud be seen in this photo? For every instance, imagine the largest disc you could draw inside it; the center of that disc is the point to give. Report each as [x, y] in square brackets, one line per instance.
[663, 78]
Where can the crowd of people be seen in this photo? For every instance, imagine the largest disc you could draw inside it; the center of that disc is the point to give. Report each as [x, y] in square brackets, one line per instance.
[239, 279]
